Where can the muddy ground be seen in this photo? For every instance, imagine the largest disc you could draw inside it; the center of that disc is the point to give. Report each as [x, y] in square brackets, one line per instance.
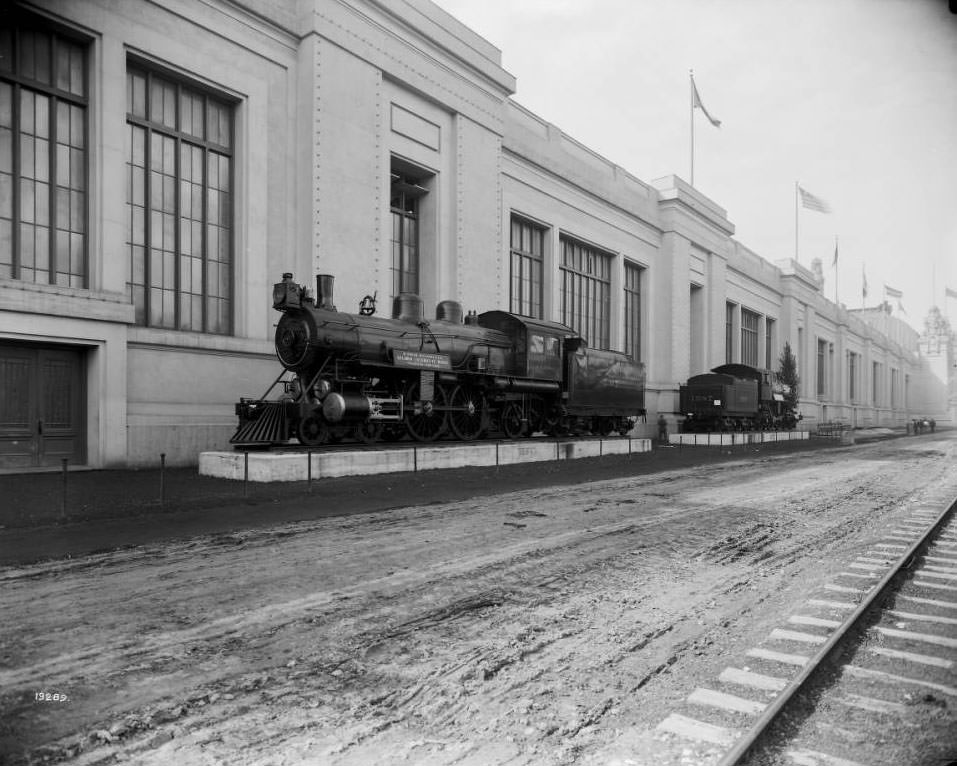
[541, 625]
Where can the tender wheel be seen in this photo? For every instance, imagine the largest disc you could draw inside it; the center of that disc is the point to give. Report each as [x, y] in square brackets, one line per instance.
[368, 432]
[425, 421]
[512, 422]
[313, 431]
[467, 413]
[551, 423]
[604, 426]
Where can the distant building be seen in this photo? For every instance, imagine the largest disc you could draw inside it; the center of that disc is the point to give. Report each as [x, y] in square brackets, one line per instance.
[938, 358]
[163, 163]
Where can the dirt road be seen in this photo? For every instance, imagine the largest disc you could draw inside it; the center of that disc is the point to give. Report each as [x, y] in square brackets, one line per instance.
[544, 626]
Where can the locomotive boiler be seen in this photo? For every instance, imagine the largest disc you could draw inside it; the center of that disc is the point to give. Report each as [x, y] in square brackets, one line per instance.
[370, 377]
[736, 397]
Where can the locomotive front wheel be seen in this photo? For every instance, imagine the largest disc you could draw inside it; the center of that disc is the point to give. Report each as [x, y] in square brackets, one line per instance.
[313, 431]
[368, 432]
[512, 422]
[466, 413]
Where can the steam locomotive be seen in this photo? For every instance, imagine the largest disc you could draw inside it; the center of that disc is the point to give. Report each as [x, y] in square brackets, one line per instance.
[736, 397]
[370, 378]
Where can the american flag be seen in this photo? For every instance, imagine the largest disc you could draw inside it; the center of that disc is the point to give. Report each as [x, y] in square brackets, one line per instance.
[812, 202]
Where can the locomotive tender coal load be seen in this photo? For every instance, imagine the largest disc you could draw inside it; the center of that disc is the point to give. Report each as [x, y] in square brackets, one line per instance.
[368, 377]
[736, 397]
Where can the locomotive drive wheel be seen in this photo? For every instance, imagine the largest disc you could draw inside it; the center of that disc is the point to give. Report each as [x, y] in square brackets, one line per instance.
[425, 421]
[536, 415]
[313, 431]
[512, 422]
[467, 413]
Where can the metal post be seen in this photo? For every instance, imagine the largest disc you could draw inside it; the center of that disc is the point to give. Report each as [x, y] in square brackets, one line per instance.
[245, 473]
[309, 472]
[63, 499]
[162, 479]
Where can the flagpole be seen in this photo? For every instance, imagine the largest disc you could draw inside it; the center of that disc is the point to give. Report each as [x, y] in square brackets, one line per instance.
[691, 116]
[796, 258]
[835, 271]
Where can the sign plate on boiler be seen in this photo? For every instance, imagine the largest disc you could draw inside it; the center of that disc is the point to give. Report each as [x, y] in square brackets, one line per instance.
[421, 360]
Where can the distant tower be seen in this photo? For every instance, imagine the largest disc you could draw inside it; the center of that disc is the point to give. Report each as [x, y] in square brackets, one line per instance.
[938, 352]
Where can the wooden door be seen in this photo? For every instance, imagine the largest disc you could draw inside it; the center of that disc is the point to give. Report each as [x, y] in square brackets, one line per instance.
[41, 406]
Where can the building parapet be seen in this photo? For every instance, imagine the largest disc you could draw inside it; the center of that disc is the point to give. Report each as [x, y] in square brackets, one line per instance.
[540, 142]
[672, 189]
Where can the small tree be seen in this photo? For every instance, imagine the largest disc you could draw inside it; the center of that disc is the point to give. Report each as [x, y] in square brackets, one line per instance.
[788, 374]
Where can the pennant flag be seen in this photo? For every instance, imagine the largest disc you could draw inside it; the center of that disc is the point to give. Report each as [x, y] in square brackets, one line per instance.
[812, 202]
[950, 293]
[864, 284]
[834, 262]
[696, 102]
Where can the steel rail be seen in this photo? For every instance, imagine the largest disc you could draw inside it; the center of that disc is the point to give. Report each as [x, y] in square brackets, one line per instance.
[753, 735]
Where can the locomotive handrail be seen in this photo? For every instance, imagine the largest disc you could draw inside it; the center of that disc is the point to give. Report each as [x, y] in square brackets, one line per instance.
[273, 384]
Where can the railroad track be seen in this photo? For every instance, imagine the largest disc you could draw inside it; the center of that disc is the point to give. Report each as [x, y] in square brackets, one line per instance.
[872, 654]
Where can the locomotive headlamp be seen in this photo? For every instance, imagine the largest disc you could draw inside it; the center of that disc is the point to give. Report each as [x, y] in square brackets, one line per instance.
[286, 294]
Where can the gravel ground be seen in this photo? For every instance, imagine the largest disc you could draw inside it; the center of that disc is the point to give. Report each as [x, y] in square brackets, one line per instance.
[518, 622]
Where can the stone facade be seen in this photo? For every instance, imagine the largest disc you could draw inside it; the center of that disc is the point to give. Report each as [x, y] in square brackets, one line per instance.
[329, 101]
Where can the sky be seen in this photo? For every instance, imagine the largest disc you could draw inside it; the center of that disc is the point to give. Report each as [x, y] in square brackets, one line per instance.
[856, 100]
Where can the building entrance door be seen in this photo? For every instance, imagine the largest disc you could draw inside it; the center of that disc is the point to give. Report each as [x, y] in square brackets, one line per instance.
[41, 406]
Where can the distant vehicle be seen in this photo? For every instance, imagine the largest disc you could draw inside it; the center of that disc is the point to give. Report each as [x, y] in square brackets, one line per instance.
[736, 397]
[367, 377]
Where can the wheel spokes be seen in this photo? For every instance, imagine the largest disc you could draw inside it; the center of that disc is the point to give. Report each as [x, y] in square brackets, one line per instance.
[314, 431]
[466, 413]
[512, 422]
[425, 421]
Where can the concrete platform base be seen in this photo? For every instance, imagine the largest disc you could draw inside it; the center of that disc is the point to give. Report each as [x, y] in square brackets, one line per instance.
[731, 439]
[295, 466]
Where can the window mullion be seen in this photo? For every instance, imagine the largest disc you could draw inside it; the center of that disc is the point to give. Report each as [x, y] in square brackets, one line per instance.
[15, 267]
[177, 245]
[147, 223]
[204, 239]
[54, 221]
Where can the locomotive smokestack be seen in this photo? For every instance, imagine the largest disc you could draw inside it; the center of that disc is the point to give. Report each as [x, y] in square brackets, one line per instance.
[324, 289]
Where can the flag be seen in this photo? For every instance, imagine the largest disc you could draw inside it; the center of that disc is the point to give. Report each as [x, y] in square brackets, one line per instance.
[864, 285]
[950, 293]
[834, 262]
[696, 102]
[890, 292]
[813, 203]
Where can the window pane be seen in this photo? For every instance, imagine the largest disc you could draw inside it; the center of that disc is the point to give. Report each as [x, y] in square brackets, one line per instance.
[586, 292]
[187, 207]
